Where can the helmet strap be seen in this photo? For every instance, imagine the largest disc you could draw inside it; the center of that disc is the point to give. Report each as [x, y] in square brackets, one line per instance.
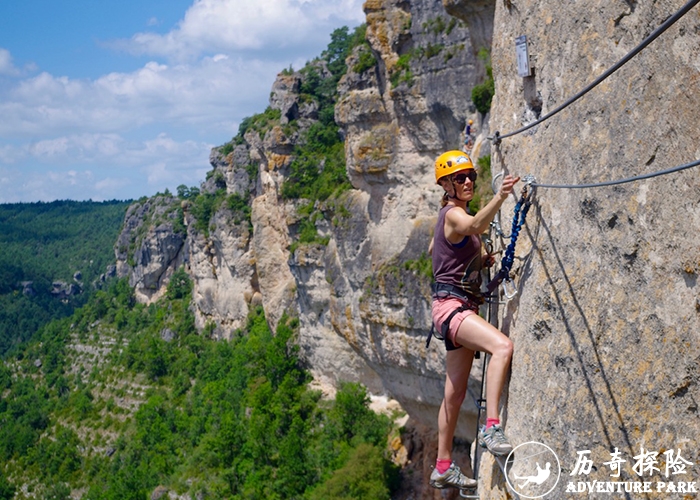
[454, 189]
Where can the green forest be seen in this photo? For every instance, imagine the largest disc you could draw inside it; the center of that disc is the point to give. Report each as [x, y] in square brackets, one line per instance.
[121, 398]
[42, 243]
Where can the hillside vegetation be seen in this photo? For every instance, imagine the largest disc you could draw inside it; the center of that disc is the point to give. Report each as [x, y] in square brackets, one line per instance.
[121, 399]
[42, 243]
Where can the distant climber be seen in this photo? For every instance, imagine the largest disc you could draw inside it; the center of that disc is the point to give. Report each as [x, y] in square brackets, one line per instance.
[458, 258]
[468, 137]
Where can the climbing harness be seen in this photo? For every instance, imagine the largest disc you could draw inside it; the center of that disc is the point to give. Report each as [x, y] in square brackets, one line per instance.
[520, 213]
[443, 291]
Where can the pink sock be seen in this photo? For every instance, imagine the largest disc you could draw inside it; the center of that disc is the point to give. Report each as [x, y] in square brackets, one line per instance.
[442, 465]
[492, 421]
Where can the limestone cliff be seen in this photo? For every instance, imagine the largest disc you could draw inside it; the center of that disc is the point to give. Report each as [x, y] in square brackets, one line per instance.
[363, 306]
[605, 323]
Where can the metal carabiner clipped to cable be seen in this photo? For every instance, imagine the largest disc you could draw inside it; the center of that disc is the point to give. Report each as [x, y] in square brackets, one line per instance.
[496, 225]
[505, 288]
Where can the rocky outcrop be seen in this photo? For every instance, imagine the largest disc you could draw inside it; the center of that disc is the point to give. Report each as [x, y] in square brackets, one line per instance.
[395, 118]
[59, 289]
[150, 246]
[221, 268]
[361, 317]
[28, 288]
[478, 15]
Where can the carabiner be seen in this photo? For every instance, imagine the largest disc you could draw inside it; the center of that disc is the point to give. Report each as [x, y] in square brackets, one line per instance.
[493, 182]
[496, 224]
[529, 179]
[488, 243]
[505, 288]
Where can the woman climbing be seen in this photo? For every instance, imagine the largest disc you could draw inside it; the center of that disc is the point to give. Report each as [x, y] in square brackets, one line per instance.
[458, 258]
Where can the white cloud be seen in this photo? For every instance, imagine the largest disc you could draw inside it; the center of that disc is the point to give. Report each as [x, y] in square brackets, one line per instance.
[132, 133]
[83, 148]
[108, 151]
[235, 25]
[45, 186]
[123, 127]
[8, 154]
[111, 168]
[159, 174]
[6, 65]
[210, 94]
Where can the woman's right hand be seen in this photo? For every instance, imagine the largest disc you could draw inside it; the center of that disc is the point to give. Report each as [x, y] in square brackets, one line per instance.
[507, 186]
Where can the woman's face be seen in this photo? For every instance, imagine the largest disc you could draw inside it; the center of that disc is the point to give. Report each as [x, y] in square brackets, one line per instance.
[462, 182]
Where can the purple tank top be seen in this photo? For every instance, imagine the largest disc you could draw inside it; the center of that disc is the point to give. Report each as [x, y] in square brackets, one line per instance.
[457, 264]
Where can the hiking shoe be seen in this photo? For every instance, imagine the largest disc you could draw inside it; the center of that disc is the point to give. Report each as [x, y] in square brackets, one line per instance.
[495, 440]
[452, 478]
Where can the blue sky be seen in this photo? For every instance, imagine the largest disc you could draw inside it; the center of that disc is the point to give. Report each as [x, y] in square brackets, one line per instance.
[120, 99]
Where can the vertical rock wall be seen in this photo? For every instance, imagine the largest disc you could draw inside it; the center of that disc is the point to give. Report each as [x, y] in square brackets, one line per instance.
[396, 119]
[606, 324]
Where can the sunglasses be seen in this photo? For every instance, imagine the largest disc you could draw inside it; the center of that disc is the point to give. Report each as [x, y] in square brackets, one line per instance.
[462, 178]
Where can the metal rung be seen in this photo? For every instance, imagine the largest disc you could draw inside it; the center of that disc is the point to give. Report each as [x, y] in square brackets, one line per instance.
[461, 493]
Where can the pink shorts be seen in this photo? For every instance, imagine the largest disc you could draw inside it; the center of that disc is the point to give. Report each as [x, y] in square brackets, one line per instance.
[442, 308]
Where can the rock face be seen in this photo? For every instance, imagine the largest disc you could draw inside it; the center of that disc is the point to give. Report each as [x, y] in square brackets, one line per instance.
[606, 324]
[396, 120]
[478, 14]
[606, 319]
[150, 246]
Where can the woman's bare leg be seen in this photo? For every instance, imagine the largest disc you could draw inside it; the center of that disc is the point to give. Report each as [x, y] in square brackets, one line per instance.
[459, 365]
[477, 334]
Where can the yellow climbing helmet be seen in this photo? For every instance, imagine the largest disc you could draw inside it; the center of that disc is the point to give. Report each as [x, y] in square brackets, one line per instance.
[451, 162]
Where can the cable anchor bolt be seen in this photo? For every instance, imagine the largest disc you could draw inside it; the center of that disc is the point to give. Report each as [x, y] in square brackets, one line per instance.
[530, 183]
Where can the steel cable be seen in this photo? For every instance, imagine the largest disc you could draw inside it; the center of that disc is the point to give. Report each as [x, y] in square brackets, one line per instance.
[653, 36]
[621, 181]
